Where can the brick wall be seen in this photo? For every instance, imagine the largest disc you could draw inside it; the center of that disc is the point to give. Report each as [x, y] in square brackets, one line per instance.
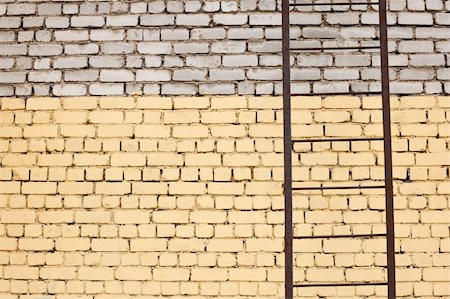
[75, 48]
[150, 197]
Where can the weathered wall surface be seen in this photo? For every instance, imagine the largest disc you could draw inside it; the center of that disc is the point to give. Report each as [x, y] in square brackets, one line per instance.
[213, 47]
[150, 197]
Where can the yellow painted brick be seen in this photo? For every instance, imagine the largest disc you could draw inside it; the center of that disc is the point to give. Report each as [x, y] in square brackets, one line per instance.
[364, 275]
[329, 274]
[154, 103]
[6, 117]
[306, 102]
[117, 103]
[416, 102]
[203, 159]
[10, 187]
[80, 103]
[261, 102]
[266, 130]
[318, 158]
[235, 102]
[209, 274]
[73, 244]
[17, 216]
[106, 117]
[36, 244]
[190, 132]
[90, 159]
[54, 160]
[225, 245]
[170, 216]
[431, 159]
[131, 217]
[444, 130]
[148, 244]
[128, 159]
[149, 188]
[19, 160]
[191, 102]
[409, 116]
[65, 273]
[10, 132]
[92, 217]
[115, 131]
[56, 216]
[333, 116]
[362, 217]
[43, 103]
[77, 131]
[341, 245]
[218, 117]
[246, 217]
[241, 274]
[208, 216]
[95, 273]
[272, 159]
[112, 188]
[75, 188]
[435, 216]
[110, 245]
[21, 272]
[418, 188]
[8, 244]
[323, 217]
[264, 244]
[420, 245]
[356, 159]
[307, 130]
[341, 102]
[12, 104]
[232, 188]
[181, 117]
[436, 274]
[187, 245]
[263, 188]
[349, 130]
[69, 117]
[240, 160]
[421, 130]
[40, 131]
[39, 188]
[228, 131]
[171, 274]
[133, 273]
[152, 131]
[187, 188]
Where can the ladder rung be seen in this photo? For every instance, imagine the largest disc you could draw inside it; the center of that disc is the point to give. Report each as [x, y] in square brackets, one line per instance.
[339, 187]
[342, 284]
[333, 4]
[336, 48]
[336, 93]
[340, 236]
[337, 139]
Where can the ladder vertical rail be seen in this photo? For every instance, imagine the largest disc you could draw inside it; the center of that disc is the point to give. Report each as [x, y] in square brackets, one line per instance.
[288, 235]
[390, 240]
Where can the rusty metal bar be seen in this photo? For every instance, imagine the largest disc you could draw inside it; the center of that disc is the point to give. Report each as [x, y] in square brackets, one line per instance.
[339, 187]
[342, 284]
[390, 240]
[340, 236]
[336, 48]
[337, 139]
[288, 229]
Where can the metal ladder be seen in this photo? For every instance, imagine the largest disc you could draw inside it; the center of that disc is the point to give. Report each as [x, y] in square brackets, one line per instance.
[288, 143]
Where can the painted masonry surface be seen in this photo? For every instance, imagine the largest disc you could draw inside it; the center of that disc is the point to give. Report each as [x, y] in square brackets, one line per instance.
[141, 150]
